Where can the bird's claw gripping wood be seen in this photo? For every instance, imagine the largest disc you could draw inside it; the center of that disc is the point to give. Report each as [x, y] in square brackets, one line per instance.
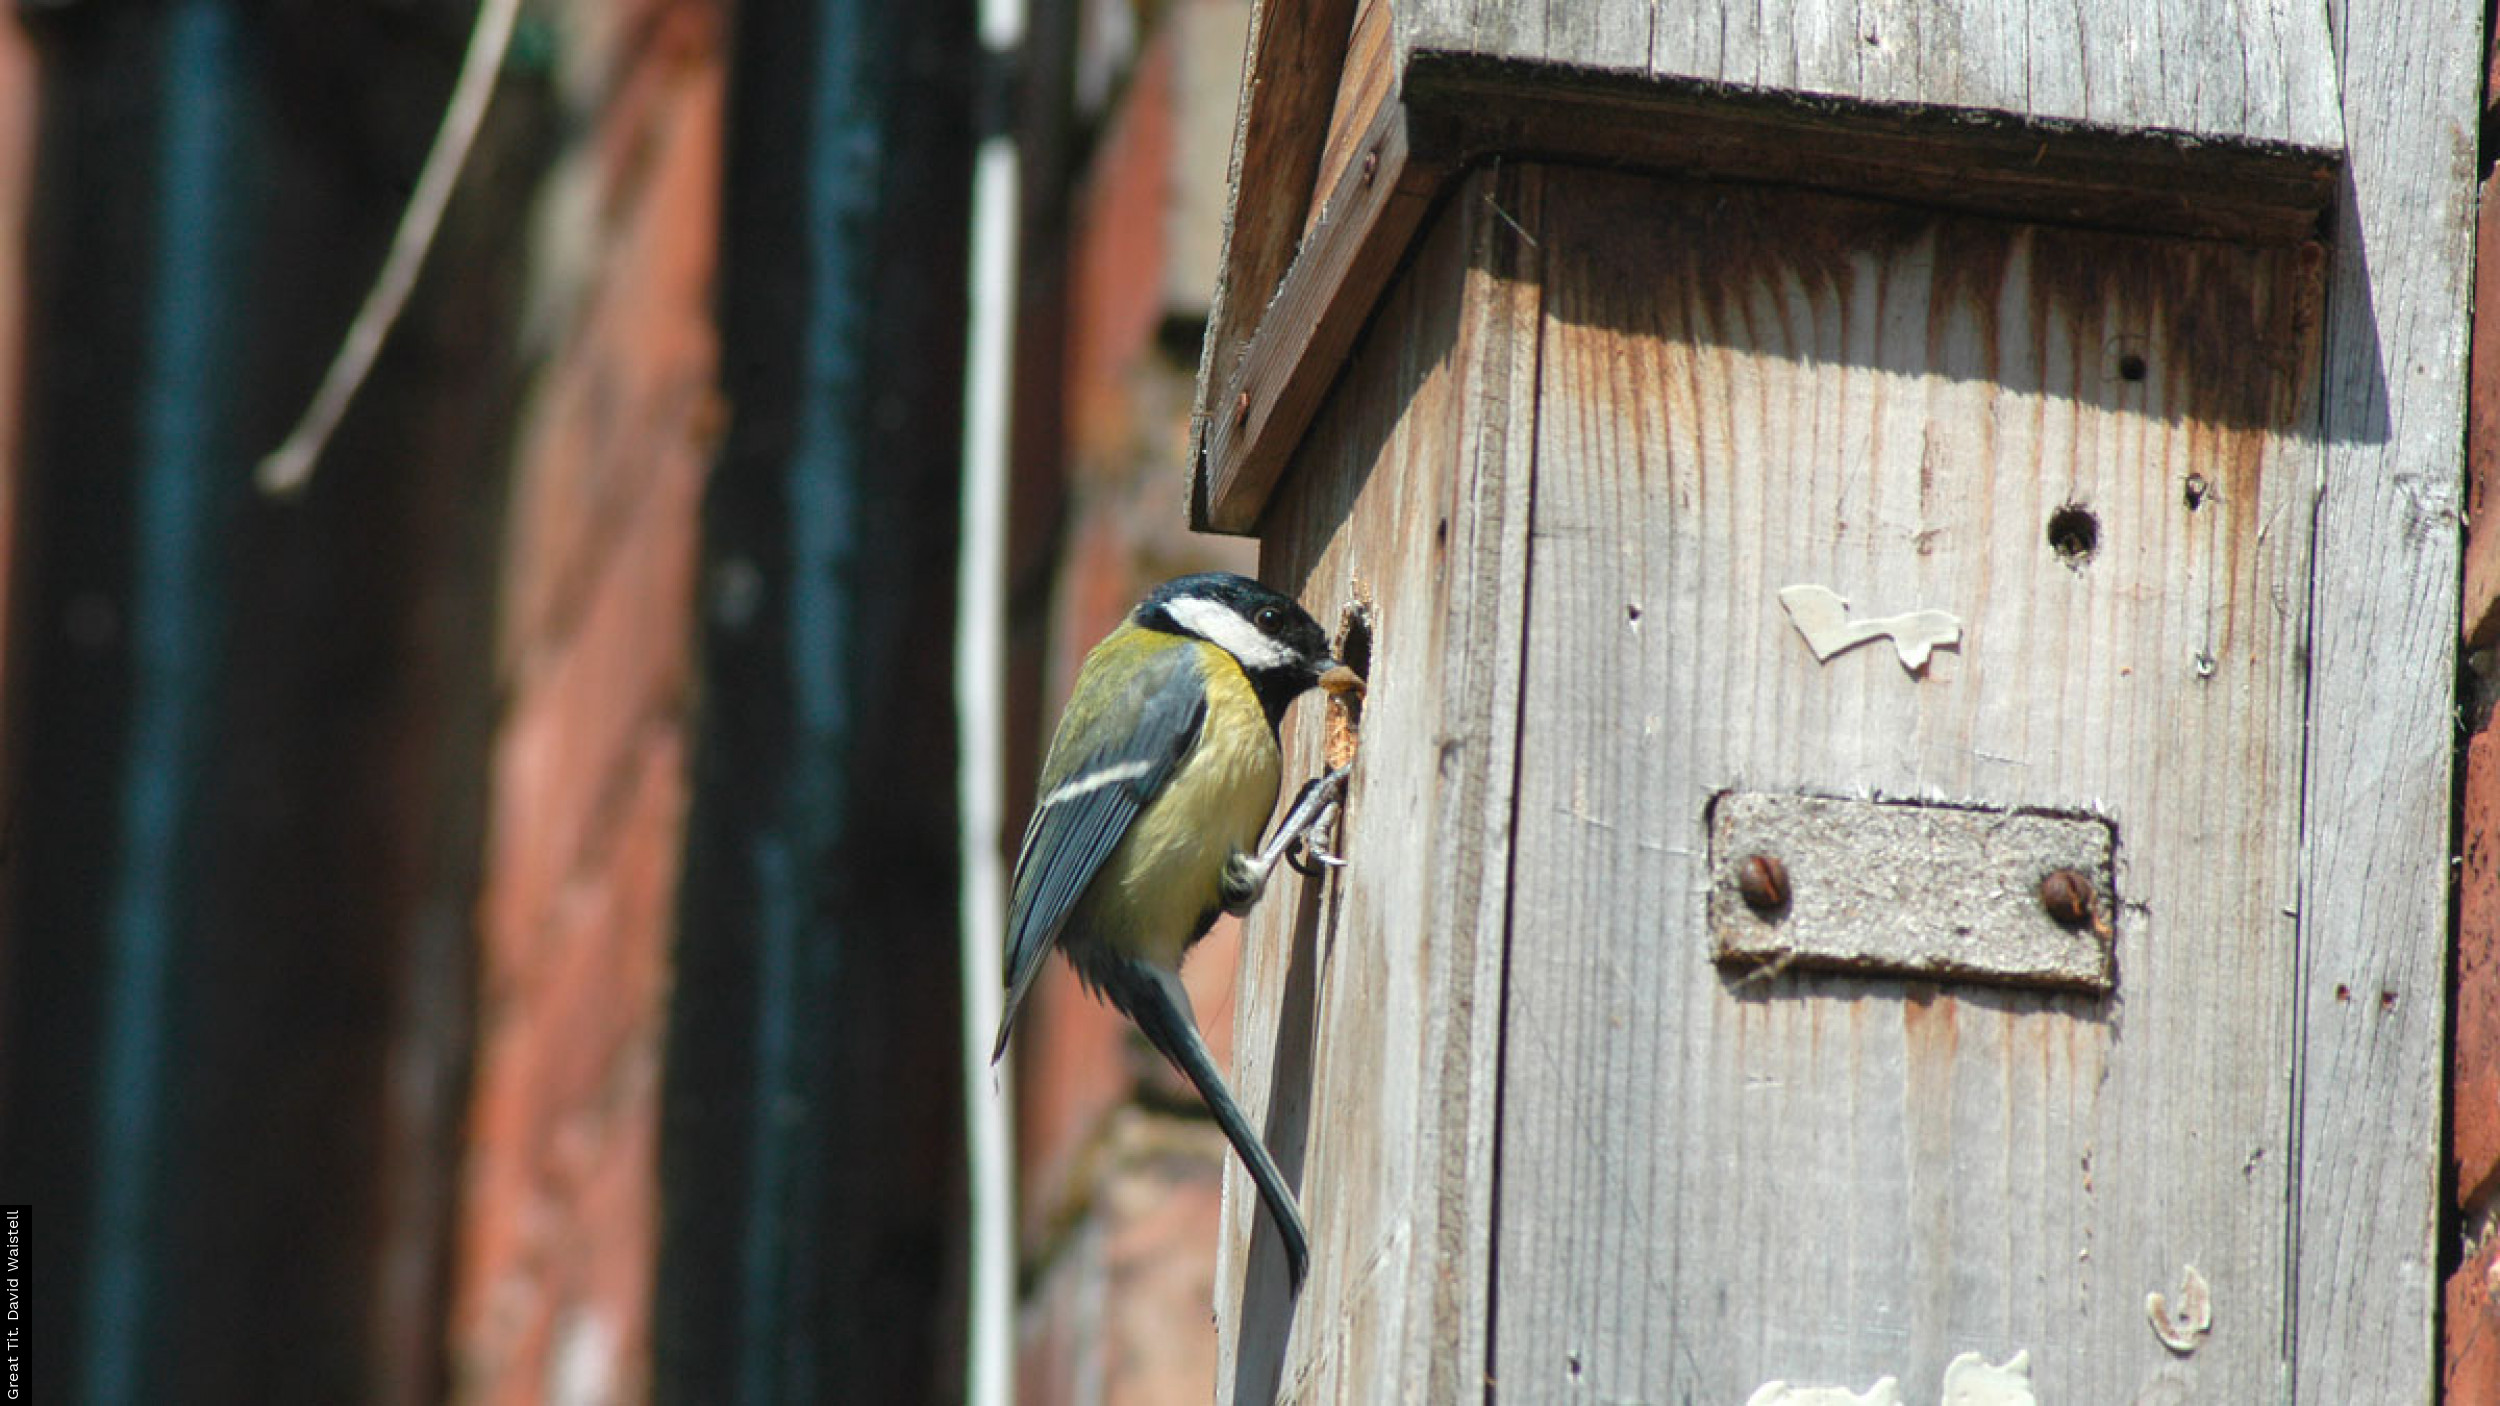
[1314, 861]
[1245, 878]
[1317, 854]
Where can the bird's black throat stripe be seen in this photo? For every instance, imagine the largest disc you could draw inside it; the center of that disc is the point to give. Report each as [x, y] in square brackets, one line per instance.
[1277, 688]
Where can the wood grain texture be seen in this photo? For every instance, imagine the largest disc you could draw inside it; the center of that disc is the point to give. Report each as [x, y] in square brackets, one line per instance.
[2374, 906]
[1366, 83]
[2259, 72]
[1289, 83]
[1708, 1182]
[1375, 1009]
[2212, 120]
[1955, 158]
[1301, 344]
[1411, 118]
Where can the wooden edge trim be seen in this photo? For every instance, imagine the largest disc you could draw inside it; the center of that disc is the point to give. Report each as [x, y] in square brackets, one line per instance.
[1453, 110]
[1254, 424]
[2132, 180]
[1290, 70]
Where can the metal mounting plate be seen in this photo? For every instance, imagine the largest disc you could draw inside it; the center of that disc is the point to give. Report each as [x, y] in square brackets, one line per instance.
[1912, 889]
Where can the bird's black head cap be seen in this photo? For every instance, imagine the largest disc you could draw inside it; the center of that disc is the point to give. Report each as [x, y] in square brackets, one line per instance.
[1276, 642]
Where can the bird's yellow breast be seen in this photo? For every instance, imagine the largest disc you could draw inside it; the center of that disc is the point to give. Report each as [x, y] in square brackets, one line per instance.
[1161, 884]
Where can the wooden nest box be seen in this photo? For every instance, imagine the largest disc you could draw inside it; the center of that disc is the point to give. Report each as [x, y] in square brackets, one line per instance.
[1910, 560]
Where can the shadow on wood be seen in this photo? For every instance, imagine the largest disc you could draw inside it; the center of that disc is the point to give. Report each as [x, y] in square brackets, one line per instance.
[1267, 1300]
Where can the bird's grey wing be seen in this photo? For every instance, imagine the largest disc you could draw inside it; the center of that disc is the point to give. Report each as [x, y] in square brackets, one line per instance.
[1077, 825]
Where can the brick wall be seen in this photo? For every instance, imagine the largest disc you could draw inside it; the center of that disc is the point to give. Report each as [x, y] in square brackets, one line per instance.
[2473, 1294]
[559, 1214]
[2471, 1323]
[1120, 1170]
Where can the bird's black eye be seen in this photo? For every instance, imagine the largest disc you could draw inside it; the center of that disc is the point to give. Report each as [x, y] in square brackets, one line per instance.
[1269, 617]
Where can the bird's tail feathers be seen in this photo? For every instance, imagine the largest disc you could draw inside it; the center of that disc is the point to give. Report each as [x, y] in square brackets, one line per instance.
[1155, 999]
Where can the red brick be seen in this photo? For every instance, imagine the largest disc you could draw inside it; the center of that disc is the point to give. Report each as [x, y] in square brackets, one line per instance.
[662, 43]
[2475, 1075]
[554, 1254]
[1054, 1344]
[1127, 1309]
[633, 390]
[606, 1282]
[1164, 1217]
[2470, 1372]
[1115, 285]
[2482, 436]
[562, 1183]
[566, 743]
[599, 972]
[1075, 1065]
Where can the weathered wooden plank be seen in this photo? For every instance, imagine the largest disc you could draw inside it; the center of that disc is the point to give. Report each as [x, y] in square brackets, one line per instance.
[1452, 113]
[1581, 36]
[1289, 78]
[1287, 368]
[2067, 111]
[2260, 72]
[1380, 1007]
[2374, 909]
[1709, 1182]
[1958, 158]
[1366, 83]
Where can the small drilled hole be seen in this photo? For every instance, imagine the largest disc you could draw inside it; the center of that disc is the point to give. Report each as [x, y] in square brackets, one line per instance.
[2074, 533]
[2193, 491]
[1354, 638]
[2131, 367]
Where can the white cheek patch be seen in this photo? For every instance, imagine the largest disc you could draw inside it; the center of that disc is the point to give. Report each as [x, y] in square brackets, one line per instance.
[1093, 781]
[1222, 627]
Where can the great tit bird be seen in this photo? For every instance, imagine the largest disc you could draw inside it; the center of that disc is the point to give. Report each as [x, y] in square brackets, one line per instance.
[1146, 823]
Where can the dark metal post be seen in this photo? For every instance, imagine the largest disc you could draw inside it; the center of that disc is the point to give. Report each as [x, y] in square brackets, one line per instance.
[812, 1148]
[249, 738]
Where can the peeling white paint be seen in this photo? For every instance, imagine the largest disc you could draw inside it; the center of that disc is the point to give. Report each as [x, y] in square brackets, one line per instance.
[1968, 1381]
[1822, 617]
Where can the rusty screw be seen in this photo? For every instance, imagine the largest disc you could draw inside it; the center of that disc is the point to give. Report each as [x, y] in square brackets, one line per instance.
[2067, 895]
[1763, 881]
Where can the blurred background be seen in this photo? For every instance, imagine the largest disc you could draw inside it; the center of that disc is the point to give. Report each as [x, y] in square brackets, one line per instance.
[487, 926]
